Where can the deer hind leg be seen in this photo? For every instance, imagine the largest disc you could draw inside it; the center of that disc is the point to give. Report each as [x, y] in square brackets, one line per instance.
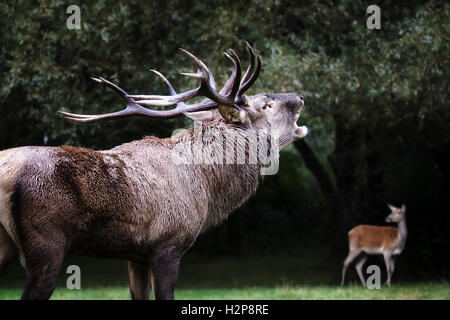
[8, 251]
[139, 280]
[351, 256]
[358, 266]
[44, 257]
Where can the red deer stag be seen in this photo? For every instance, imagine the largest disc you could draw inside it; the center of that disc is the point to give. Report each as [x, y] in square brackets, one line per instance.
[135, 201]
[388, 241]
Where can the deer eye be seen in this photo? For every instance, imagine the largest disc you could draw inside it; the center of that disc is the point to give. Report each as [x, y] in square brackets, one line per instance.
[267, 106]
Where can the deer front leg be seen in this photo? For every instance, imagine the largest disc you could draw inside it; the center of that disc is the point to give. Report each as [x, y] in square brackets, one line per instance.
[387, 262]
[138, 274]
[393, 264]
[164, 273]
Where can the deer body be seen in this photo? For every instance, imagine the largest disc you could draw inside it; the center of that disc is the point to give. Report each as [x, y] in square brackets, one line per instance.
[376, 240]
[134, 201]
[125, 188]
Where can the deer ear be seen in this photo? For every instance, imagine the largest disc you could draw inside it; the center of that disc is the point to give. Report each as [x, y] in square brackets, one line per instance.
[233, 114]
[403, 207]
[391, 207]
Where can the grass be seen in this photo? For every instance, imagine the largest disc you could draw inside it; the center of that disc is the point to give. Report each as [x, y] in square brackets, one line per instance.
[230, 278]
[403, 292]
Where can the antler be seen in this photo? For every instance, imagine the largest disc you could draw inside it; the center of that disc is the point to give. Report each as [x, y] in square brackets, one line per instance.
[205, 105]
[250, 75]
[206, 88]
[228, 100]
[133, 109]
[229, 95]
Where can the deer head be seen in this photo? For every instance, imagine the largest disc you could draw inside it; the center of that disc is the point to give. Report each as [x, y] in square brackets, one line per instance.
[396, 215]
[229, 105]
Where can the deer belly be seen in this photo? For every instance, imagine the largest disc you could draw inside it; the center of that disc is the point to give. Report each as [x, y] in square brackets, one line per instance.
[105, 244]
[379, 250]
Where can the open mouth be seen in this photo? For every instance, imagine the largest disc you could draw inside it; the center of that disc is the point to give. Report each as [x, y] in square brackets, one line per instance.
[300, 132]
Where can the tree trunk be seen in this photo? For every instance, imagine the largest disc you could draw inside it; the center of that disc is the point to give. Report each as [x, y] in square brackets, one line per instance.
[319, 171]
[441, 243]
[375, 193]
[347, 163]
[345, 196]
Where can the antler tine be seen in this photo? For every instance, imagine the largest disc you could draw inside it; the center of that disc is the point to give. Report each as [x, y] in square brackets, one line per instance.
[132, 108]
[201, 106]
[245, 83]
[206, 104]
[171, 88]
[111, 85]
[202, 69]
[251, 66]
[156, 97]
[226, 88]
[237, 74]
[233, 78]
[79, 118]
[252, 76]
[166, 82]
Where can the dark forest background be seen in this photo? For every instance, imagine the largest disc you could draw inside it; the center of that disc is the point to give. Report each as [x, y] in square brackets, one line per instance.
[377, 106]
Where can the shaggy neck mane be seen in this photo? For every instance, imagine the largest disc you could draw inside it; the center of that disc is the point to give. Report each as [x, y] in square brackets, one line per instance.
[225, 157]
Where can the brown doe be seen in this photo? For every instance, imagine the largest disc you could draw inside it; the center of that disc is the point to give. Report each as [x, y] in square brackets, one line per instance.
[137, 201]
[366, 240]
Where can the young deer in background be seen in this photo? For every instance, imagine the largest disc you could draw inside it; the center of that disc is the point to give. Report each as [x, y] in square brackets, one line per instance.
[388, 241]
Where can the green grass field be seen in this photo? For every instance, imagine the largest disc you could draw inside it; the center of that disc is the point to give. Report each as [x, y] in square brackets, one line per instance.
[230, 278]
[403, 292]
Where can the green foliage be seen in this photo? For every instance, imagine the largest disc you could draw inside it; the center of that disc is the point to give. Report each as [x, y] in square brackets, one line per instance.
[322, 49]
